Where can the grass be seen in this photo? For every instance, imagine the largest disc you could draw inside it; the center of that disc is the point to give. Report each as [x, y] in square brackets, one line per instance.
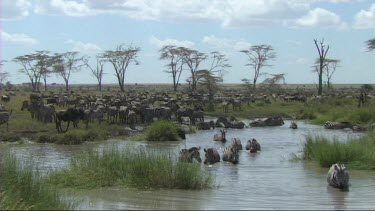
[356, 153]
[131, 168]
[162, 130]
[23, 188]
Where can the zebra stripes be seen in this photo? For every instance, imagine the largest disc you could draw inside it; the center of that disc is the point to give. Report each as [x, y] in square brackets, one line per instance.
[338, 176]
[4, 117]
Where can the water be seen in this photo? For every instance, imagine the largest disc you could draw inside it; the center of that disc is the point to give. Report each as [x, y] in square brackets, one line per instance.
[266, 180]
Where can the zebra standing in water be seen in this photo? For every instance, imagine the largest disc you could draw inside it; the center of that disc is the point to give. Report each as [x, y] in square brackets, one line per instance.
[338, 176]
[4, 117]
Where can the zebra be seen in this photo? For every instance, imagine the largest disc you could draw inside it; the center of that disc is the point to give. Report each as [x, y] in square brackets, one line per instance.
[185, 112]
[206, 125]
[253, 145]
[212, 156]
[231, 155]
[4, 117]
[293, 125]
[198, 115]
[236, 143]
[189, 154]
[337, 125]
[338, 176]
[221, 137]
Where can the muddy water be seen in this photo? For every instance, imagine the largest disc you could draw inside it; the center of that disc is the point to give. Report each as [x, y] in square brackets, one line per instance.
[266, 180]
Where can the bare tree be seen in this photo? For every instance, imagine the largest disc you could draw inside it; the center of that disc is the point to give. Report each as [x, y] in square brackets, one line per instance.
[120, 59]
[330, 69]
[219, 63]
[176, 62]
[371, 44]
[322, 50]
[193, 59]
[259, 57]
[31, 68]
[98, 71]
[65, 64]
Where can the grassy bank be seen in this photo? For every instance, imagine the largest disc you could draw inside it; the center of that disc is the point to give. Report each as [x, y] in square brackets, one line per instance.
[131, 168]
[356, 153]
[22, 188]
[162, 130]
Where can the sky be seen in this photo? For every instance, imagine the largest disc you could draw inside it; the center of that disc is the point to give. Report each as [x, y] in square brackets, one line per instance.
[228, 26]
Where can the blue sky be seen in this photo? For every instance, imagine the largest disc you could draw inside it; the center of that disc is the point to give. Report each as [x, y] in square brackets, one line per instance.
[227, 26]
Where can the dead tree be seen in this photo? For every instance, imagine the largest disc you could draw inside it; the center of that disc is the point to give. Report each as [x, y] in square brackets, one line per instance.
[322, 50]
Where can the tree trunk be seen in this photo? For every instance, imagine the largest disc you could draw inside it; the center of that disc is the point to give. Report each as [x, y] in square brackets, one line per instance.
[100, 85]
[320, 88]
[45, 84]
[254, 84]
[66, 85]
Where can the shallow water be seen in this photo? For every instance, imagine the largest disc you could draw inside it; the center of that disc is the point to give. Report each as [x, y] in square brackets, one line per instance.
[265, 180]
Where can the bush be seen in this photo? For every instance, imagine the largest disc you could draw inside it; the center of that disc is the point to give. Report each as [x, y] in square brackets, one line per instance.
[162, 130]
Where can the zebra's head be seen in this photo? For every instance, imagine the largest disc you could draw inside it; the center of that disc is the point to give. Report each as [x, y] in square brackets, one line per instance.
[327, 124]
[338, 176]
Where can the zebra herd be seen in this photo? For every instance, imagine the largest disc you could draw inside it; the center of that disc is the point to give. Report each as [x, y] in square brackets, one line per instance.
[230, 153]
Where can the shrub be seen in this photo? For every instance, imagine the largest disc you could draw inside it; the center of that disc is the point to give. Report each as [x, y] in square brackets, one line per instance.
[162, 130]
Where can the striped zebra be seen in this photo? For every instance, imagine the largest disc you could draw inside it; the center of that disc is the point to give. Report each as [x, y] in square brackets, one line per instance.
[4, 117]
[337, 125]
[188, 155]
[236, 143]
[253, 145]
[231, 155]
[338, 176]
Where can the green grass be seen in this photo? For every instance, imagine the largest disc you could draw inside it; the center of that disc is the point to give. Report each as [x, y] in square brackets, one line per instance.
[356, 153]
[23, 188]
[131, 168]
[162, 130]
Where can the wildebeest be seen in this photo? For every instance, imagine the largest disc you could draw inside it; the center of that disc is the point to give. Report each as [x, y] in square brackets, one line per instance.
[212, 156]
[189, 154]
[205, 125]
[338, 176]
[221, 137]
[270, 121]
[5, 98]
[70, 115]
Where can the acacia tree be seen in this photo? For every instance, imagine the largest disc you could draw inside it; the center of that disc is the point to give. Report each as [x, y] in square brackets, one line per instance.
[371, 44]
[31, 68]
[176, 62]
[259, 57]
[65, 64]
[330, 69]
[219, 63]
[98, 71]
[44, 62]
[120, 59]
[193, 58]
[322, 50]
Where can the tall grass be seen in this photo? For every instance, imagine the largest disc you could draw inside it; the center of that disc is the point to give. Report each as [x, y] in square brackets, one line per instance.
[162, 130]
[356, 153]
[21, 187]
[130, 167]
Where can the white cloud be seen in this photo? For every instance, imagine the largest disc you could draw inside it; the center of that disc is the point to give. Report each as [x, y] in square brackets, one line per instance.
[18, 39]
[365, 19]
[321, 18]
[223, 43]
[83, 47]
[14, 9]
[62, 7]
[241, 45]
[160, 43]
